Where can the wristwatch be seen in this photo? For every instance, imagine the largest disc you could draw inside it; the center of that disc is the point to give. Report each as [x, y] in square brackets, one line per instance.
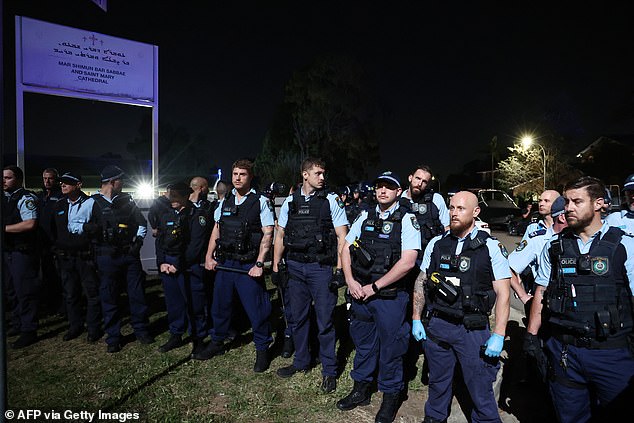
[259, 264]
[375, 288]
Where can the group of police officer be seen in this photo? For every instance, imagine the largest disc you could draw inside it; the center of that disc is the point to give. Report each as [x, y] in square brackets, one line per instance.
[410, 266]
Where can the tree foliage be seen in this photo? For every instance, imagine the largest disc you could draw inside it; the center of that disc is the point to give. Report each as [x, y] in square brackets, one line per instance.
[327, 112]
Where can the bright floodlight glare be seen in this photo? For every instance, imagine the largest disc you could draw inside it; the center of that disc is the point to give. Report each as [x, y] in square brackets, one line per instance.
[527, 140]
[144, 190]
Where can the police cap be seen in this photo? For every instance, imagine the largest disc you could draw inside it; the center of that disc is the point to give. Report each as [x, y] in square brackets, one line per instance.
[388, 176]
[70, 178]
[557, 207]
[111, 172]
[629, 183]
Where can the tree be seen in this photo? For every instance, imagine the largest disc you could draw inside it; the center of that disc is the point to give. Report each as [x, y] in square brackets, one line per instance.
[327, 112]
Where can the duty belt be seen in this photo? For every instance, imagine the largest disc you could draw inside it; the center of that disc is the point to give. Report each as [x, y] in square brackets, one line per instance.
[588, 342]
[448, 317]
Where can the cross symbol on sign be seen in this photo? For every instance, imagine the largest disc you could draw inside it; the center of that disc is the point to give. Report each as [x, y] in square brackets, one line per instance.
[93, 39]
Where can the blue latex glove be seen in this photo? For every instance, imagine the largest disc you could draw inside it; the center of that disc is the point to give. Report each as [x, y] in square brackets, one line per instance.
[418, 330]
[494, 345]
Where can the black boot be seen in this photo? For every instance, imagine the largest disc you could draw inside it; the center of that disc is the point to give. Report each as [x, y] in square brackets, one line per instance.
[25, 339]
[214, 348]
[175, 341]
[289, 347]
[261, 361]
[197, 346]
[360, 395]
[389, 407]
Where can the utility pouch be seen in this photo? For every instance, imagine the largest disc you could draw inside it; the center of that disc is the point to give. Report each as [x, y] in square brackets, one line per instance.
[602, 324]
[475, 321]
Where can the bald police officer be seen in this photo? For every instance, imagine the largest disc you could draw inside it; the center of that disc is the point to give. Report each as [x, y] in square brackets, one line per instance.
[464, 273]
[586, 279]
[380, 250]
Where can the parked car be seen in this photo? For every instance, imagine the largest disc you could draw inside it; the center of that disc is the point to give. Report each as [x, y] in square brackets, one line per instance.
[496, 207]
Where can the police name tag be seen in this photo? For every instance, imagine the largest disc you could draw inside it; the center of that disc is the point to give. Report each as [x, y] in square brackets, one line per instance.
[454, 280]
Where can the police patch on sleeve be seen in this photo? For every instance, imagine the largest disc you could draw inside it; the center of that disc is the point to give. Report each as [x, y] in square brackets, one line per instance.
[415, 223]
[521, 245]
[340, 202]
[269, 204]
[30, 204]
[503, 250]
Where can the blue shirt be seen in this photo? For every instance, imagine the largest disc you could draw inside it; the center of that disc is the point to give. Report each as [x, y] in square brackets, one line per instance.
[528, 251]
[79, 213]
[543, 272]
[27, 204]
[499, 263]
[623, 219]
[266, 209]
[337, 210]
[410, 236]
[443, 212]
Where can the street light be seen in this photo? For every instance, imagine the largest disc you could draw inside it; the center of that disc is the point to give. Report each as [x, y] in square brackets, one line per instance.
[527, 141]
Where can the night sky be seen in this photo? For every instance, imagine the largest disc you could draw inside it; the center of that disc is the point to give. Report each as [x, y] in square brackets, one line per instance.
[450, 76]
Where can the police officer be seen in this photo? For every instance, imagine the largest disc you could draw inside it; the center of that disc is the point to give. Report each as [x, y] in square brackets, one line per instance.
[239, 243]
[586, 279]
[19, 213]
[75, 260]
[199, 192]
[624, 219]
[380, 250]
[51, 292]
[353, 207]
[311, 230]
[463, 274]
[523, 260]
[119, 229]
[183, 235]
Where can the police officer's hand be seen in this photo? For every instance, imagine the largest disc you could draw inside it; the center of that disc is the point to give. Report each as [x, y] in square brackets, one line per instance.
[135, 248]
[533, 348]
[210, 263]
[525, 298]
[276, 278]
[368, 292]
[168, 268]
[494, 345]
[356, 290]
[256, 272]
[418, 330]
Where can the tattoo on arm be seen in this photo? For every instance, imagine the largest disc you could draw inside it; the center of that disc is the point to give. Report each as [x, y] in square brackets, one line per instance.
[419, 295]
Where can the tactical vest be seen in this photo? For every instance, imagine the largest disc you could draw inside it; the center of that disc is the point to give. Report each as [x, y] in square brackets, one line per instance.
[173, 231]
[379, 248]
[309, 236]
[475, 295]
[240, 229]
[588, 294]
[118, 227]
[22, 241]
[64, 240]
[427, 215]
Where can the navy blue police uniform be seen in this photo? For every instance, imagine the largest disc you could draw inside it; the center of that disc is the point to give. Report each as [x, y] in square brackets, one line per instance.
[182, 240]
[77, 266]
[240, 228]
[458, 326]
[310, 246]
[588, 297]
[51, 291]
[21, 264]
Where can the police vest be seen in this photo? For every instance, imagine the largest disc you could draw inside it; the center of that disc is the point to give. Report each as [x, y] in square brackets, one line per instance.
[427, 215]
[64, 240]
[588, 294]
[240, 229]
[309, 236]
[475, 295]
[22, 241]
[173, 231]
[378, 248]
[118, 226]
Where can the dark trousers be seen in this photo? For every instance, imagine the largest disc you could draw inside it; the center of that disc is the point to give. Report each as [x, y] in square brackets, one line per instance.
[80, 277]
[51, 293]
[479, 375]
[23, 286]
[255, 300]
[112, 268]
[185, 300]
[308, 284]
[381, 335]
[287, 310]
[604, 377]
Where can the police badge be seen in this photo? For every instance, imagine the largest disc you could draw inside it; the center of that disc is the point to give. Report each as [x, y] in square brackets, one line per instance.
[387, 227]
[599, 265]
[465, 264]
[503, 250]
[340, 203]
[415, 223]
[521, 245]
[202, 220]
[422, 208]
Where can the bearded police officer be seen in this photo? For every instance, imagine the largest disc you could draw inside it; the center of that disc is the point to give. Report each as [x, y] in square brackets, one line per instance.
[624, 219]
[119, 229]
[75, 259]
[463, 275]
[380, 250]
[586, 279]
[19, 215]
[239, 244]
[311, 231]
